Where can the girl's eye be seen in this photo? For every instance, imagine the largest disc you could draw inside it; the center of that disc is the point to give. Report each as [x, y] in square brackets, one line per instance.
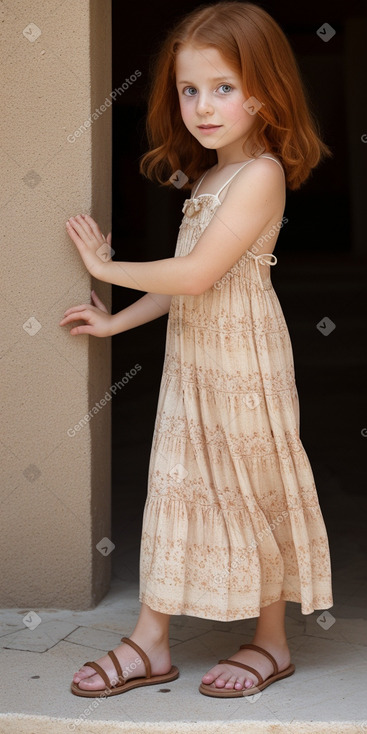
[225, 85]
[186, 89]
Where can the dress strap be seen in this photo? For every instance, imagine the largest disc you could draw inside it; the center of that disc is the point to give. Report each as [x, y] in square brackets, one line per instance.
[263, 155]
[202, 178]
[232, 177]
[245, 164]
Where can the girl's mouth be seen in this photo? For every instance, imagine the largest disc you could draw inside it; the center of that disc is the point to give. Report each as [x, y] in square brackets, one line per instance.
[208, 128]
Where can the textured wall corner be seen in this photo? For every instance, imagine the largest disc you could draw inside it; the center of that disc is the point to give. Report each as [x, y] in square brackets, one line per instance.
[56, 162]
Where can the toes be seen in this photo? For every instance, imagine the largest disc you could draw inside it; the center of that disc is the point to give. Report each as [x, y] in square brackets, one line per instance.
[209, 677]
[223, 679]
[83, 672]
[93, 683]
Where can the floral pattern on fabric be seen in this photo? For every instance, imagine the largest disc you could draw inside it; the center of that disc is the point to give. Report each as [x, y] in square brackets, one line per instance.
[232, 520]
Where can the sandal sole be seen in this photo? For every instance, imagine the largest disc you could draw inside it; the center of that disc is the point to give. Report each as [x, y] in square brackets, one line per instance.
[232, 693]
[132, 683]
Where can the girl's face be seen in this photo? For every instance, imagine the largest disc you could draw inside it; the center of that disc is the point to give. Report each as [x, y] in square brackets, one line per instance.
[210, 93]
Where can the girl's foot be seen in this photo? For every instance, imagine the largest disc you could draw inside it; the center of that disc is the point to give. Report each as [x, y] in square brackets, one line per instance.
[224, 675]
[131, 663]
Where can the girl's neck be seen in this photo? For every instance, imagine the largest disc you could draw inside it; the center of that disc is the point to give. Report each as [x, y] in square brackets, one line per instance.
[224, 162]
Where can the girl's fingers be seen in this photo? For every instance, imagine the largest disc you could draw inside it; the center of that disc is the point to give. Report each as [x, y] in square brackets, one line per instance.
[93, 226]
[74, 315]
[79, 225]
[74, 234]
[80, 330]
[73, 309]
[71, 317]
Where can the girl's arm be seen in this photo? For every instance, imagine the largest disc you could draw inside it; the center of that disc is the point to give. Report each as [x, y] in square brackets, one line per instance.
[145, 309]
[247, 212]
[169, 276]
[99, 322]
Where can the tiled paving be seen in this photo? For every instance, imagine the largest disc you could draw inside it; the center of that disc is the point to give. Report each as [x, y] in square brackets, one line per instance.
[328, 686]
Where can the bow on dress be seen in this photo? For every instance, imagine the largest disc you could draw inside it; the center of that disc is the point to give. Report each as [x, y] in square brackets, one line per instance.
[191, 207]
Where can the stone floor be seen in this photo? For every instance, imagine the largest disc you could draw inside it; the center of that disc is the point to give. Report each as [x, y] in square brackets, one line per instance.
[326, 693]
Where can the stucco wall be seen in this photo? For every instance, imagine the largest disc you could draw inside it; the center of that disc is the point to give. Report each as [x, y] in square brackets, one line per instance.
[55, 488]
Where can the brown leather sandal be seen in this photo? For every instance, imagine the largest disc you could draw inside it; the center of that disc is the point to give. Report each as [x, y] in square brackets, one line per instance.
[114, 689]
[212, 690]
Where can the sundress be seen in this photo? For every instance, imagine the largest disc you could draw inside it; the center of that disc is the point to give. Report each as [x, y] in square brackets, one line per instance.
[232, 520]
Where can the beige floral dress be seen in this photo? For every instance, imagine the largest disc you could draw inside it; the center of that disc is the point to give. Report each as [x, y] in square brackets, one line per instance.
[232, 520]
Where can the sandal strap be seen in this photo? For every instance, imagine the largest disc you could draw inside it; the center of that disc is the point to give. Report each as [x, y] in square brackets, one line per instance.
[100, 672]
[142, 654]
[246, 667]
[264, 652]
[117, 665]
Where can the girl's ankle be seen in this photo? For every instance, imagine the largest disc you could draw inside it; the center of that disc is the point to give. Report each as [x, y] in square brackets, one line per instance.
[155, 639]
[265, 642]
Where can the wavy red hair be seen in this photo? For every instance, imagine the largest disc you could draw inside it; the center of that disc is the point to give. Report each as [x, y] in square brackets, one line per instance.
[255, 47]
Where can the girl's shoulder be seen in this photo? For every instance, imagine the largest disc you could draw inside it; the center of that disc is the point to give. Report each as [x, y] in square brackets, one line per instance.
[215, 180]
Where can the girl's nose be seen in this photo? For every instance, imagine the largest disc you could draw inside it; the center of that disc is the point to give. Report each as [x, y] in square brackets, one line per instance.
[204, 105]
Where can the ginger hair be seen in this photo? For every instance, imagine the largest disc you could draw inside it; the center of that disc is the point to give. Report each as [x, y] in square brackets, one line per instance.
[255, 47]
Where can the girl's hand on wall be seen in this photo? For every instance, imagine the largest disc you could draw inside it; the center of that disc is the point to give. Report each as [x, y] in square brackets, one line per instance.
[88, 238]
[98, 321]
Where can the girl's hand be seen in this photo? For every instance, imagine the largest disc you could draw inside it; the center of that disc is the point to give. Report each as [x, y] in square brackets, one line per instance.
[98, 320]
[88, 238]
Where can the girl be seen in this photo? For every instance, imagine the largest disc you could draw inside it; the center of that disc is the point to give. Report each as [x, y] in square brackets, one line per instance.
[232, 527]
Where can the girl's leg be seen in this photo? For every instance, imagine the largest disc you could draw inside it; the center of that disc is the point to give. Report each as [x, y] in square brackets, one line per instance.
[151, 633]
[269, 634]
[270, 628]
